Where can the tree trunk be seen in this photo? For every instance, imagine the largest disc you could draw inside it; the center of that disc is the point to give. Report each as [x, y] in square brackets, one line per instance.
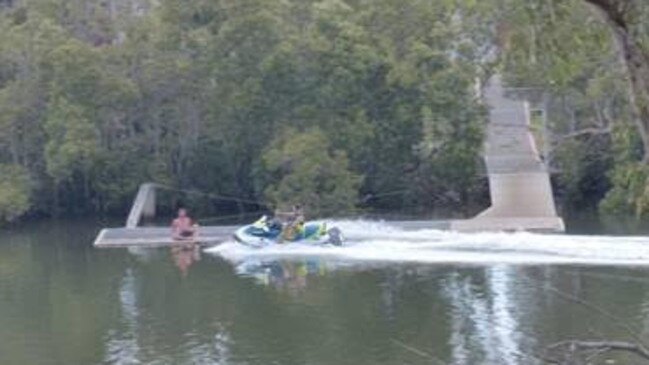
[635, 58]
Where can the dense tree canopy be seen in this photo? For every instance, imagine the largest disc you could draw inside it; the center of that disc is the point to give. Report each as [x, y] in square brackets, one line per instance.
[14, 192]
[590, 58]
[98, 97]
[303, 169]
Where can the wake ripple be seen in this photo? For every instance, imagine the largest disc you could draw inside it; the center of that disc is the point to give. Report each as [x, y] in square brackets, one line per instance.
[380, 242]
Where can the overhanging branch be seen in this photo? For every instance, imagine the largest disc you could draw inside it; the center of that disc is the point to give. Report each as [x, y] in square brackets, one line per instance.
[587, 131]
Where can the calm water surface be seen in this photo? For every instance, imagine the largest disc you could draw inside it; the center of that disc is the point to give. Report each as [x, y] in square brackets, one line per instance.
[63, 302]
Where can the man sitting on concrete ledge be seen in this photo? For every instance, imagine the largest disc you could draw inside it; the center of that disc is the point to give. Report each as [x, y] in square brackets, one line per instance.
[182, 228]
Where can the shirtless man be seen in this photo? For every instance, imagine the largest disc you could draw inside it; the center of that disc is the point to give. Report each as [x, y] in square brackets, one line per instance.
[182, 228]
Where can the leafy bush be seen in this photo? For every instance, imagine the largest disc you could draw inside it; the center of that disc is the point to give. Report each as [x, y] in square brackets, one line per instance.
[14, 192]
[629, 177]
[630, 192]
[302, 168]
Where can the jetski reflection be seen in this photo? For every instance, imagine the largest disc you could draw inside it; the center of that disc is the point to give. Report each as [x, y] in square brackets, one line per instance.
[291, 276]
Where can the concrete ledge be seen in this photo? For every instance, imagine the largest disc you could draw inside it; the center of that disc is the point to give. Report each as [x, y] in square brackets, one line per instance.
[533, 224]
[520, 195]
[158, 236]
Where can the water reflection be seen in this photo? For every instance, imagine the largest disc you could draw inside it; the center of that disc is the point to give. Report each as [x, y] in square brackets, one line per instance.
[160, 319]
[485, 323]
[122, 346]
[185, 255]
[62, 302]
[485, 307]
[290, 276]
[503, 307]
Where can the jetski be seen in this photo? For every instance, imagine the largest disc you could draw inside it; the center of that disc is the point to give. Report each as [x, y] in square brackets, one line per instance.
[266, 232]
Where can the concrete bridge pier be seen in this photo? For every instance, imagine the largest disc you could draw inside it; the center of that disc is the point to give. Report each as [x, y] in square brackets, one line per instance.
[519, 182]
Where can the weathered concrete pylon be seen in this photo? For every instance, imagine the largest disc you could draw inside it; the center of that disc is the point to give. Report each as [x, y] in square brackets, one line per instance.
[519, 183]
[143, 205]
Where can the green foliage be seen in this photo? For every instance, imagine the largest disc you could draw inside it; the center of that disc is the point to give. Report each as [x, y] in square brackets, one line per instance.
[630, 192]
[567, 51]
[72, 141]
[554, 43]
[585, 165]
[15, 192]
[629, 177]
[302, 168]
[95, 100]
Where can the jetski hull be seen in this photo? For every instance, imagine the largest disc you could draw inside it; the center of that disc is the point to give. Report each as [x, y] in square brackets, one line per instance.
[314, 233]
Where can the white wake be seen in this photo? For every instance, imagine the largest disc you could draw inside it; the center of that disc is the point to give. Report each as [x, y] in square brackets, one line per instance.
[380, 242]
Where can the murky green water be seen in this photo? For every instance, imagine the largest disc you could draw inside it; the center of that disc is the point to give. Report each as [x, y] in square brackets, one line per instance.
[63, 302]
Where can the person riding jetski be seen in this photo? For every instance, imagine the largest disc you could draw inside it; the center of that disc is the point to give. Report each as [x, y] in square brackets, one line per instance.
[292, 222]
[287, 227]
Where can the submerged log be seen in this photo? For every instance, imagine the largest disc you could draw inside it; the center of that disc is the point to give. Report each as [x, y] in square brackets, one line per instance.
[578, 352]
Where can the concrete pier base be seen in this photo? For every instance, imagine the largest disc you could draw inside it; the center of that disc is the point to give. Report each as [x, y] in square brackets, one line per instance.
[512, 224]
[519, 184]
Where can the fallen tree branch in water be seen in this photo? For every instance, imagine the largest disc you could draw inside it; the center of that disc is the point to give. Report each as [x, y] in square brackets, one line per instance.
[418, 351]
[573, 351]
[618, 322]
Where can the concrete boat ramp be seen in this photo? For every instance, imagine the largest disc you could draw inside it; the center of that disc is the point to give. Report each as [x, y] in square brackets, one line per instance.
[519, 184]
[157, 236]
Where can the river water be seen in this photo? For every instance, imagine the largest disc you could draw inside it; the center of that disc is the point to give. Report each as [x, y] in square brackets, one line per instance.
[394, 297]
